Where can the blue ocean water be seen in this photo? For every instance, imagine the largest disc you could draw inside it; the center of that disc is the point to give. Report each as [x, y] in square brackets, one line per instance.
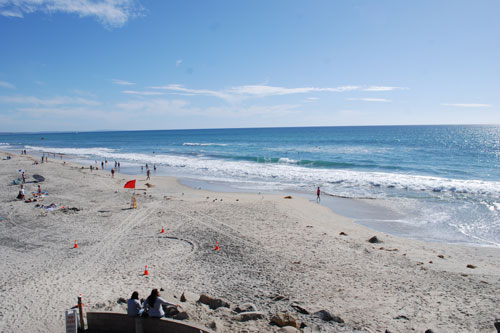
[436, 182]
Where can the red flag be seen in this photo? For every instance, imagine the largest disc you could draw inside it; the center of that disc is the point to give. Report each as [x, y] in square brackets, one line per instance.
[130, 184]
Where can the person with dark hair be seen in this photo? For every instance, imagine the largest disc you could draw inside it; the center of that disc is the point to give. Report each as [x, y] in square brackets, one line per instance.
[134, 306]
[154, 303]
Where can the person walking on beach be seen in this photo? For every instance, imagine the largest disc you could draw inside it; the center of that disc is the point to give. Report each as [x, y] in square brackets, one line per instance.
[134, 306]
[318, 194]
[112, 172]
[148, 173]
[154, 303]
[24, 178]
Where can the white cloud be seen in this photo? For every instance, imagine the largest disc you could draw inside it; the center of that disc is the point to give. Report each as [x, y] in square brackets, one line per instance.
[11, 13]
[239, 92]
[177, 88]
[264, 90]
[178, 63]
[8, 85]
[59, 100]
[468, 105]
[382, 88]
[113, 13]
[368, 99]
[143, 93]
[122, 83]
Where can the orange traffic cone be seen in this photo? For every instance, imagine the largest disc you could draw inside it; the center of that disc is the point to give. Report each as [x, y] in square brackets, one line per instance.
[76, 245]
[146, 272]
[162, 230]
[216, 246]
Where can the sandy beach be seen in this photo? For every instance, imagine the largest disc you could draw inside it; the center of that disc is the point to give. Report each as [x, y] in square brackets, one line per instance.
[274, 253]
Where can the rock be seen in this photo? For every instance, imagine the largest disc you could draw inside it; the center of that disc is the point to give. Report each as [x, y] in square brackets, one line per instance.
[288, 329]
[299, 308]
[440, 256]
[121, 300]
[246, 307]
[287, 197]
[471, 266]
[429, 331]
[402, 317]
[213, 303]
[181, 316]
[246, 316]
[497, 325]
[327, 316]
[387, 331]
[374, 240]
[170, 310]
[189, 297]
[342, 233]
[284, 319]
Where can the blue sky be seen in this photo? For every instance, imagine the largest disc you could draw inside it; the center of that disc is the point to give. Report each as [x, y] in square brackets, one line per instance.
[126, 64]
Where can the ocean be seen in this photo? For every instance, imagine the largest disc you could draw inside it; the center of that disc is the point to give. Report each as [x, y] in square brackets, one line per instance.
[435, 183]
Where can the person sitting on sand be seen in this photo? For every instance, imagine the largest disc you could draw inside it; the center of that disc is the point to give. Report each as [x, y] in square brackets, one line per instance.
[134, 306]
[154, 303]
[21, 194]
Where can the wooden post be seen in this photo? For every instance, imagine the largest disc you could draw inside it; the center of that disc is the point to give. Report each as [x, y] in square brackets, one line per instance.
[80, 313]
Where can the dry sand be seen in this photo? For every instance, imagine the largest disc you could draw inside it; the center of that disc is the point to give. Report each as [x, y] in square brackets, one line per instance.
[269, 246]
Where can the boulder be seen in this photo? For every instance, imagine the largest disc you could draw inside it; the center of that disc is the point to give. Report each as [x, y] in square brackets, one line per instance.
[246, 307]
[246, 316]
[212, 302]
[189, 297]
[299, 308]
[181, 316]
[374, 240]
[284, 319]
[327, 316]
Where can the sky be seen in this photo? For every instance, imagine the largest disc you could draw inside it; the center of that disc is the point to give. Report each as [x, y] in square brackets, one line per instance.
[85, 65]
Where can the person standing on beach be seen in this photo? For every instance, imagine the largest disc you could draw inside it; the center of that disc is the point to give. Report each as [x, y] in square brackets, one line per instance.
[154, 167]
[102, 165]
[24, 178]
[148, 173]
[318, 194]
[112, 172]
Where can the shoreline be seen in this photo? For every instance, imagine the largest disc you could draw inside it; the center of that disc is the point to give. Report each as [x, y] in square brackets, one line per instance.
[382, 215]
[275, 252]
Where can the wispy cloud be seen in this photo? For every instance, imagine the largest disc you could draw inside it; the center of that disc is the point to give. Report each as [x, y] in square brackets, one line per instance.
[11, 13]
[239, 92]
[468, 105]
[112, 13]
[7, 85]
[59, 100]
[383, 88]
[177, 88]
[122, 83]
[367, 99]
[178, 63]
[143, 93]
[264, 90]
